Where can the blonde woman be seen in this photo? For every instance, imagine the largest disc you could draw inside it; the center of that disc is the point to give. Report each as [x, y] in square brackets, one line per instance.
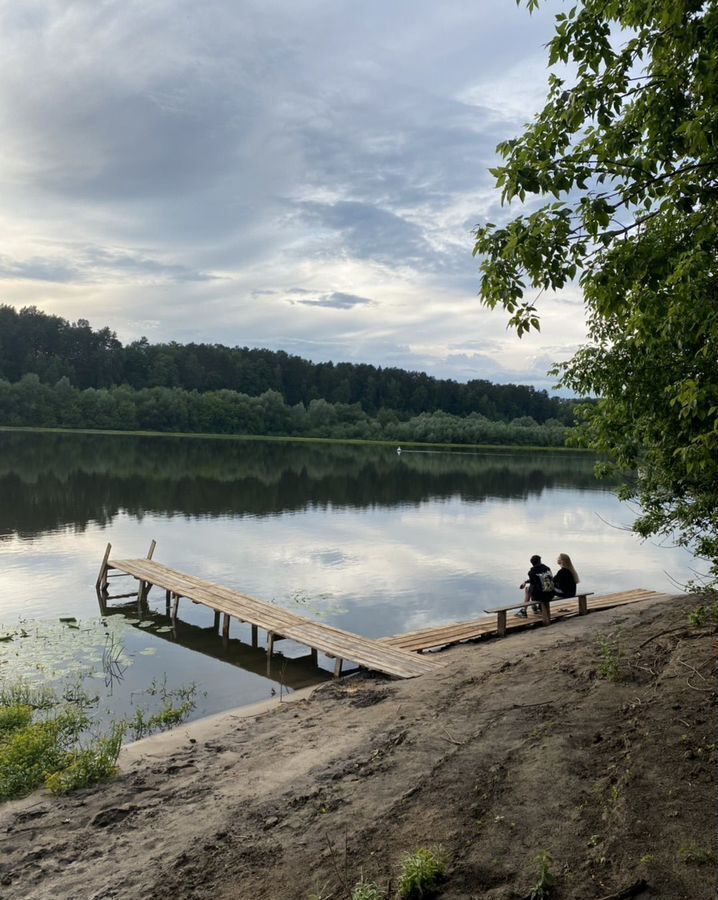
[566, 578]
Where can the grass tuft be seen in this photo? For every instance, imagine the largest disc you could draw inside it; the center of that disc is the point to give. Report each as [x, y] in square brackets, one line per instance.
[421, 874]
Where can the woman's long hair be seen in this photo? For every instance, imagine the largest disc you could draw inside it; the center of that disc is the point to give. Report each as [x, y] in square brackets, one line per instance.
[564, 560]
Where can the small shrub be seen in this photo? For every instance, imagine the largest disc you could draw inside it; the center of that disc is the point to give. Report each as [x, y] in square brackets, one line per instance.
[26, 755]
[610, 665]
[546, 879]
[421, 874]
[88, 766]
[12, 718]
[706, 614]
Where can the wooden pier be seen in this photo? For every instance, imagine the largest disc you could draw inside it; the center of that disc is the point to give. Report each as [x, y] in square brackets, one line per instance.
[398, 655]
[280, 624]
[458, 632]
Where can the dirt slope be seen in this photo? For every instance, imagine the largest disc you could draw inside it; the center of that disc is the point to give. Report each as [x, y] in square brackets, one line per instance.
[516, 746]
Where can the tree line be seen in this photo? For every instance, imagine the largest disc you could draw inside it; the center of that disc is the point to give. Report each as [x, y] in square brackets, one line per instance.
[30, 402]
[33, 342]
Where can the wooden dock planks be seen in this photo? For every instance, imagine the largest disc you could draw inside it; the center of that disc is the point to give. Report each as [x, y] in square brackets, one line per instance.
[458, 632]
[279, 622]
[397, 655]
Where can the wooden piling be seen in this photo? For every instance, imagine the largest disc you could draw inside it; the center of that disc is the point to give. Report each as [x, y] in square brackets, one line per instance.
[101, 583]
[225, 628]
[501, 624]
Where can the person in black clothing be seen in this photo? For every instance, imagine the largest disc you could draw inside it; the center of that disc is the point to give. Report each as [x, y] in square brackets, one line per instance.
[533, 588]
[566, 578]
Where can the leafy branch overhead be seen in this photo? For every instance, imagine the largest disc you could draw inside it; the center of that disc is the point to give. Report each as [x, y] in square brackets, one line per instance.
[620, 174]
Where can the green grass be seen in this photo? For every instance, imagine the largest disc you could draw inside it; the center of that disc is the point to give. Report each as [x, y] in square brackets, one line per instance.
[421, 874]
[44, 737]
[32, 750]
[367, 890]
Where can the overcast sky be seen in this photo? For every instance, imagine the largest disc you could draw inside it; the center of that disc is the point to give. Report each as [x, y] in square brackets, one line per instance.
[294, 174]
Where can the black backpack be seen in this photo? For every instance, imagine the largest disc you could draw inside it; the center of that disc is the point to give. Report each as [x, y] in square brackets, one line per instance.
[546, 582]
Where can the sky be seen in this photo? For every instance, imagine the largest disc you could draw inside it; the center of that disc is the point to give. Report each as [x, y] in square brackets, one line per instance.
[300, 175]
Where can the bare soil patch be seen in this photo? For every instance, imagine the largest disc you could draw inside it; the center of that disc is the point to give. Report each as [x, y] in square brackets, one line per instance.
[515, 746]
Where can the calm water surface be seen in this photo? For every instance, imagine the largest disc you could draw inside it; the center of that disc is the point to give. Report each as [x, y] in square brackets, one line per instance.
[354, 536]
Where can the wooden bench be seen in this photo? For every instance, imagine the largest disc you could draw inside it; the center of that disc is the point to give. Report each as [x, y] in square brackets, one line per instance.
[545, 609]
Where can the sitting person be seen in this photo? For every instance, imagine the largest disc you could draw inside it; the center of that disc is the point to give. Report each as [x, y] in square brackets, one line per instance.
[537, 587]
[566, 578]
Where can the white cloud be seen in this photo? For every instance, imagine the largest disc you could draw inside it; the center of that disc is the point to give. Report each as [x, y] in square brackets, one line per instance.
[167, 157]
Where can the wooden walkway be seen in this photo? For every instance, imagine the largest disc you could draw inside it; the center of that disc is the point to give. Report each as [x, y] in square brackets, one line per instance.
[398, 655]
[279, 623]
[458, 632]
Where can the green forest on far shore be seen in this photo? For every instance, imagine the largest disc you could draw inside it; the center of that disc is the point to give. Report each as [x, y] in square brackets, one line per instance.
[54, 373]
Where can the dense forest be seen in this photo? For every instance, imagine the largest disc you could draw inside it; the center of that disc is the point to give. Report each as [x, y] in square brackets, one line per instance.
[56, 373]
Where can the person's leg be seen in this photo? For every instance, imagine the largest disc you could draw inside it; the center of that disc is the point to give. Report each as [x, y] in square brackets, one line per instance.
[527, 596]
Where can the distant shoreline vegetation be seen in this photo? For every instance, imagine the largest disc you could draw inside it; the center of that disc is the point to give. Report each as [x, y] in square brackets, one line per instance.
[57, 374]
[289, 439]
[29, 403]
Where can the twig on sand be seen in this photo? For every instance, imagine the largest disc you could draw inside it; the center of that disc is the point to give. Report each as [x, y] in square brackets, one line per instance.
[636, 888]
[693, 669]
[341, 878]
[453, 740]
[530, 705]
[700, 690]
[660, 634]
[645, 668]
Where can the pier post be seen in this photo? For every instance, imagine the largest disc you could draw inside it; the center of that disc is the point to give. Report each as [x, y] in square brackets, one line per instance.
[216, 620]
[101, 583]
[255, 639]
[338, 666]
[225, 629]
[501, 623]
[145, 586]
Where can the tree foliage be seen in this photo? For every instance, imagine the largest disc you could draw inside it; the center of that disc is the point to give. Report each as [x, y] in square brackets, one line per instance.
[32, 342]
[625, 155]
[29, 402]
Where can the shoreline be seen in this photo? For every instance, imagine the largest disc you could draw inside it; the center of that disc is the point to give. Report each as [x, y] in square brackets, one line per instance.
[206, 728]
[517, 745]
[288, 439]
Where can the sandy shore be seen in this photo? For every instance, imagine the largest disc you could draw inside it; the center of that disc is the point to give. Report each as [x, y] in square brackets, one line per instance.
[515, 746]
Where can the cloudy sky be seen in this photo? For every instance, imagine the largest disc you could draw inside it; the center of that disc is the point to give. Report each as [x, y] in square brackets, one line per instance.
[294, 174]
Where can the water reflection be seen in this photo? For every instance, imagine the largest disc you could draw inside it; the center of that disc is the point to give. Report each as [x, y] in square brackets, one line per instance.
[53, 481]
[288, 672]
[358, 537]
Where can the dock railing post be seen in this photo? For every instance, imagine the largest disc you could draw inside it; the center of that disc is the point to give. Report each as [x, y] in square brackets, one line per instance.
[144, 586]
[101, 583]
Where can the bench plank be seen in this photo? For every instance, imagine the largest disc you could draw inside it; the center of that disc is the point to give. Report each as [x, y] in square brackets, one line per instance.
[521, 604]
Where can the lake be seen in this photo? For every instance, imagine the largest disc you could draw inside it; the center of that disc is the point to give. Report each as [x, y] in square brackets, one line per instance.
[356, 536]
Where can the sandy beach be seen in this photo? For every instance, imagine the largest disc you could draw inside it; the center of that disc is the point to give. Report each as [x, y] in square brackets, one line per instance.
[514, 746]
